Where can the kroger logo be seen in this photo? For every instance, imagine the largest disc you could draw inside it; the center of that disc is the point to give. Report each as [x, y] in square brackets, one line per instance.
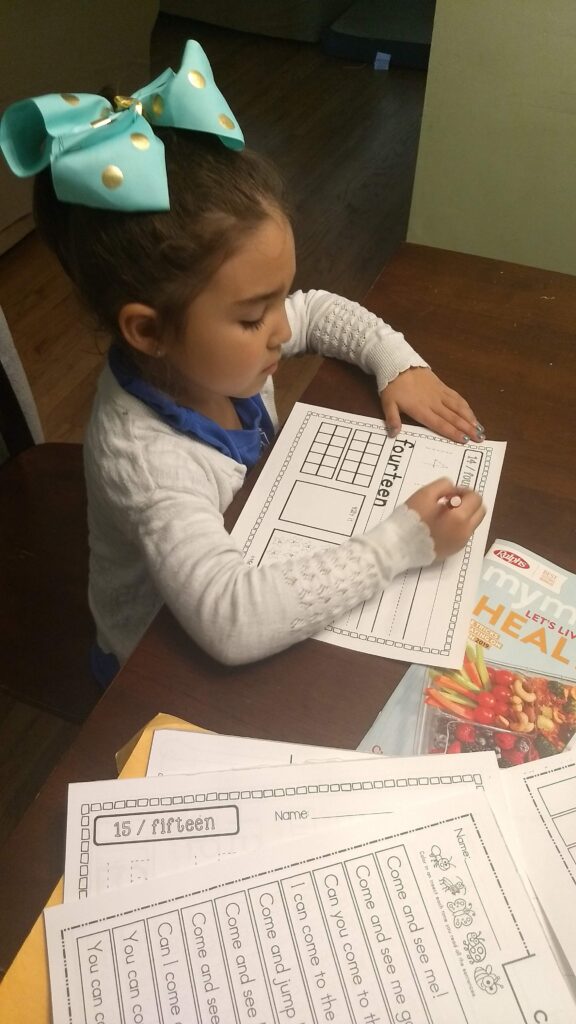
[513, 559]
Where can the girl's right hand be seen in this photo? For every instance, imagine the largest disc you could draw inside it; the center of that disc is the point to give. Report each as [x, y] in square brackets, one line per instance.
[450, 528]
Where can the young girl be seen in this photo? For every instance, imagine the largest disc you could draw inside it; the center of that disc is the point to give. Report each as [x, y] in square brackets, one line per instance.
[194, 293]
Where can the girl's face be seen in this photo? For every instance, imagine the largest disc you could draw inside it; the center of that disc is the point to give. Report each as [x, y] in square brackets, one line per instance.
[235, 328]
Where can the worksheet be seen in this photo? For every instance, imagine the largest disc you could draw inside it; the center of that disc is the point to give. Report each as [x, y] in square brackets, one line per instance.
[542, 799]
[418, 919]
[126, 831]
[332, 475]
[180, 752]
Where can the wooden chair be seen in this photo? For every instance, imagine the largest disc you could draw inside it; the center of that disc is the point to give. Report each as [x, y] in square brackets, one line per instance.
[46, 628]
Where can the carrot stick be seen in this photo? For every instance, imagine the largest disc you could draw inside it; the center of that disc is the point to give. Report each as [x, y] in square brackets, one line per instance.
[472, 672]
[438, 700]
[447, 683]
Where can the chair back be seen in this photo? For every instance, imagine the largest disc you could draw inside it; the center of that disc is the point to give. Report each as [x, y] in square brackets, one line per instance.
[20, 425]
[47, 629]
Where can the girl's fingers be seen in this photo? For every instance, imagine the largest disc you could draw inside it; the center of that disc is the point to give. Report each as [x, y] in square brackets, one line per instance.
[458, 405]
[470, 509]
[443, 486]
[478, 517]
[459, 414]
[454, 428]
[471, 501]
[423, 396]
[392, 417]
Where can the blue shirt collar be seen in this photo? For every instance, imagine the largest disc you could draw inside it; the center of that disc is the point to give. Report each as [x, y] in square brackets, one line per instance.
[244, 446]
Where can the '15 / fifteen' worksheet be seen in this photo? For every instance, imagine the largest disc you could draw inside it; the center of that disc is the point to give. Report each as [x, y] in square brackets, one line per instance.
[419, 917]
[332, 475]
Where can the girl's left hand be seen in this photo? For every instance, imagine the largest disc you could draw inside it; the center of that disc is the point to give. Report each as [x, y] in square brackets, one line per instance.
[426, 399]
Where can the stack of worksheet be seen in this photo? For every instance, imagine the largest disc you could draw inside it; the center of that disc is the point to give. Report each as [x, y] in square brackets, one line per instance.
[305, 884]
[261, 883]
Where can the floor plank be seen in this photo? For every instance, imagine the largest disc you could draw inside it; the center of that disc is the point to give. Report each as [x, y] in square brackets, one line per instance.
[31, 742]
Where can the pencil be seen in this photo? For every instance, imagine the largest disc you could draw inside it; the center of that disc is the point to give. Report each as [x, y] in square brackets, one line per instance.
[454, 502]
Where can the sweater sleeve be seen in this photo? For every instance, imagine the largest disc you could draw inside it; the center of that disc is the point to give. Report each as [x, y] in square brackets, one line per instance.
[240, 612]
[334, 326]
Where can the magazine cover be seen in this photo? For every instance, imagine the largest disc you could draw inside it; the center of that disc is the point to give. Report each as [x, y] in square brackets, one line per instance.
[515, 692]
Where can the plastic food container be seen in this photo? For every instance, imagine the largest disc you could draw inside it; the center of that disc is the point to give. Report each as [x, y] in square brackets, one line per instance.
[490, 707]
[442, 733]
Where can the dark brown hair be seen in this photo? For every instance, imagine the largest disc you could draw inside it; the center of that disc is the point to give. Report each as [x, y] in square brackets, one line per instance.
[217, 196]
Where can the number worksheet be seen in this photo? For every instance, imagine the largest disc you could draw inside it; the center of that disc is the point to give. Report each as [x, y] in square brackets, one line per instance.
[127, 831]
[413, 918]
[332, 475]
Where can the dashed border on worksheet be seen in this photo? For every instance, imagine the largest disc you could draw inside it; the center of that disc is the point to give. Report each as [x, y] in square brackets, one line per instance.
[187, 801]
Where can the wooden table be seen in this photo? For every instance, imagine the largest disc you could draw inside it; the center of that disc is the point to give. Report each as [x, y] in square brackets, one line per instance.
[502, 335]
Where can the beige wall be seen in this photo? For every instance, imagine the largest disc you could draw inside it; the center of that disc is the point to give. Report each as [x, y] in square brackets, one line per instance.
[496, 169]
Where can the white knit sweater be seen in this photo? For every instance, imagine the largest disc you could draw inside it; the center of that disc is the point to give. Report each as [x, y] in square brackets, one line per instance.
[156, 500]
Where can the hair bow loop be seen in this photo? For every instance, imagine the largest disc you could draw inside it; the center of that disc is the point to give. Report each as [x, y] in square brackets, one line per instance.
[29, 128]
[113, 160]
[191, 99]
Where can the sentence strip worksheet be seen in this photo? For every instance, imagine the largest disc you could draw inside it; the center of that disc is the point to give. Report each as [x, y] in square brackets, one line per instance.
[419, 918]
[125, 831]
[332, 475]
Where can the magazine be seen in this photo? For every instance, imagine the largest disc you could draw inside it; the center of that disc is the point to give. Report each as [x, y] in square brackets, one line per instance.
[515, 692]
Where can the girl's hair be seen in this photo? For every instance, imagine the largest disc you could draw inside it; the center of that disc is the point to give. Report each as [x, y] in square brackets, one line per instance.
[217, 196]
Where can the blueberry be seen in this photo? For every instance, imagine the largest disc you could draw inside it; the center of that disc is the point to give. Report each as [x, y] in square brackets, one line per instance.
[523, 746]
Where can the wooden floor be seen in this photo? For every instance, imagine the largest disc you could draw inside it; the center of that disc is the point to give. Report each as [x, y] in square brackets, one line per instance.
[345, 138]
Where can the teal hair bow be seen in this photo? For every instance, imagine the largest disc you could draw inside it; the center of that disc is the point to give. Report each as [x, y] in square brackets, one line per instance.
[113, 160]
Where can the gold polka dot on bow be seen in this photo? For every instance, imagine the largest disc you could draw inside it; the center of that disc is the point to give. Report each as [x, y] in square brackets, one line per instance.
[197, 79]
[112, 177]
[140, 141]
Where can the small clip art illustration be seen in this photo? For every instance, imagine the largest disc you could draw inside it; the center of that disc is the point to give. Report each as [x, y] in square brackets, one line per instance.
[487, 980]
[438, 859]
[462, 913]
[475, 947]
[455, 888]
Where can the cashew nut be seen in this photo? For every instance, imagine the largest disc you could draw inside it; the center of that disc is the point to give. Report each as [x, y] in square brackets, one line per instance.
[521, 722]
[522, 726]
[527, 698]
